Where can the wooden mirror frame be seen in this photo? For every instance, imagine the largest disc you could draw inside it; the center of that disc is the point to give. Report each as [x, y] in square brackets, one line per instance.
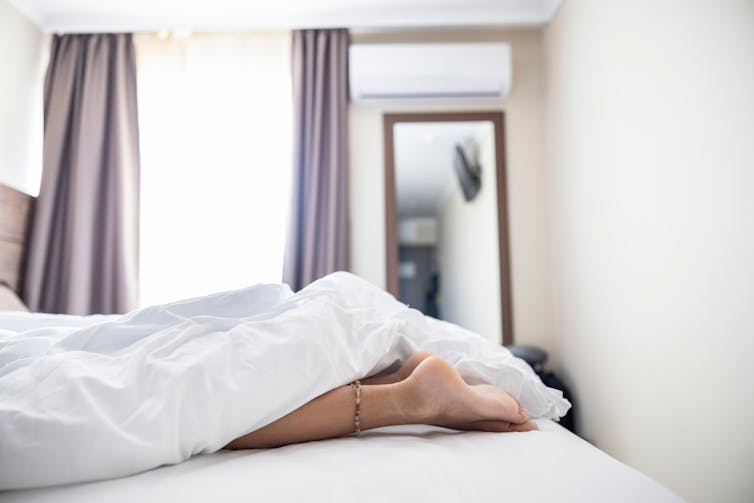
[391, 227]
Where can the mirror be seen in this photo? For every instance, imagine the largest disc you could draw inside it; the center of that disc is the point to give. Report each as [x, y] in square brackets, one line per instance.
[446, 222]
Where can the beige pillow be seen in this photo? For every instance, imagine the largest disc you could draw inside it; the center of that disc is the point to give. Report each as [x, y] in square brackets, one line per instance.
[9, 301]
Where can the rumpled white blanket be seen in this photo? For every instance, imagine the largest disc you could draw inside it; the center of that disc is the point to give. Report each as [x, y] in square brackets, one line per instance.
[85, 398]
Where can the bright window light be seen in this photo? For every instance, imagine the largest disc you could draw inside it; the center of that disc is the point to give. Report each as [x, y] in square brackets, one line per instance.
[215, 140]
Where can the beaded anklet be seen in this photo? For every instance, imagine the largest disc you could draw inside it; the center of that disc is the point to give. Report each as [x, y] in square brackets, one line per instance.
[356, 385]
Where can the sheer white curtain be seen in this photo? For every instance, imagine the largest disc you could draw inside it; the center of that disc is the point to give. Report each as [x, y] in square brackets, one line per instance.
[215, 139]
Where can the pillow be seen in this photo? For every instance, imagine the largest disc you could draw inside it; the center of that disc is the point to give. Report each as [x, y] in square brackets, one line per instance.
[9, 301]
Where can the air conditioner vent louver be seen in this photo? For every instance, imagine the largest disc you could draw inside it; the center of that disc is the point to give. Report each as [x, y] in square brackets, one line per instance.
[436, 72]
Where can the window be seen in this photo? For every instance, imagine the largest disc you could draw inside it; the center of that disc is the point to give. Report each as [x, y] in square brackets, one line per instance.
[215, 140]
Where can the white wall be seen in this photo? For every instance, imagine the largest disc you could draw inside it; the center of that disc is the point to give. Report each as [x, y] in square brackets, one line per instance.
[468, 252]
[650, 131]
[21, 71]
[526, 179]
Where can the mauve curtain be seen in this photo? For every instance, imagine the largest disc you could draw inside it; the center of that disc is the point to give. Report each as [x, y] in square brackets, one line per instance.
[83, 253]
[317, 241]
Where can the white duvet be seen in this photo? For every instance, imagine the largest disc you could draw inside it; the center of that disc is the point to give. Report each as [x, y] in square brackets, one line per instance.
[84, 398]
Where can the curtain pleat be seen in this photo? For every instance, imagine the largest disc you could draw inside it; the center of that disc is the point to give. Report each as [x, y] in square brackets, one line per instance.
[317, 241]
[83, 251]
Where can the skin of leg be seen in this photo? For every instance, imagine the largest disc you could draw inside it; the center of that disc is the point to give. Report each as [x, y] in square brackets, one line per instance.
[327, 415]
[331, 415]
[433, 394]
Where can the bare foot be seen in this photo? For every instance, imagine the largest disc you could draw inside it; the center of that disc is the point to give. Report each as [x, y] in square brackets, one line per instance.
[406, 369]
[438, 395]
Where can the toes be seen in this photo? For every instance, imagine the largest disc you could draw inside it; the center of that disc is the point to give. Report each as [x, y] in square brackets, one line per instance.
[496, 426]
[523, 414]
[499, 426]
[496, 404]
[525, 426]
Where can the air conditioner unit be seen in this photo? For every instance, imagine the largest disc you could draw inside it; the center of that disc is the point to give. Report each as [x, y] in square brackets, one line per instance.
[429, 72]
[417, 231]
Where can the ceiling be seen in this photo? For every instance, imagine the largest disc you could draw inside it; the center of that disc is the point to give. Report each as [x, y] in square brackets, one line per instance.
[71, 16]
[424, 153]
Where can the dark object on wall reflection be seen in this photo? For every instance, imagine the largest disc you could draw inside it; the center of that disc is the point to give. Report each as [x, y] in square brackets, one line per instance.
[537, 358]
[432, 296]
[418, 264]
[469, 174]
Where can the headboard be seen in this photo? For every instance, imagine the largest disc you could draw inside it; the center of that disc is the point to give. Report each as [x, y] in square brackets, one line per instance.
[15, 215]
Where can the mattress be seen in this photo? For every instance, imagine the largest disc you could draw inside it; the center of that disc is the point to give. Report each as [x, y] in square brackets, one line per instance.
[400, 463]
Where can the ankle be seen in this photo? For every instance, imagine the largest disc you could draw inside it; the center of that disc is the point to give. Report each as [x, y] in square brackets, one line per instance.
[416, 407]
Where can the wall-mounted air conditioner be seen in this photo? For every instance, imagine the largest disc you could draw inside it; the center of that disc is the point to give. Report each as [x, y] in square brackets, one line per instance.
[417, 231]
[429, 72]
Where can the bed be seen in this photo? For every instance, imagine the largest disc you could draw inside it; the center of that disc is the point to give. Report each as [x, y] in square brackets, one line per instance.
[407, 463]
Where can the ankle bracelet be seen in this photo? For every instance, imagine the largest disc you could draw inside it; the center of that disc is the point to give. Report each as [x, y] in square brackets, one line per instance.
[356, 385]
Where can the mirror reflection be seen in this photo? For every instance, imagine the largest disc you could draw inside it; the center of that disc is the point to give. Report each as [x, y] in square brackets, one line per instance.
[447, 222]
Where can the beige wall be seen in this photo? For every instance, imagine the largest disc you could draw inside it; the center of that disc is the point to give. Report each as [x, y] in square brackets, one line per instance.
[650, 129]
[21, 71]
[526, 194]
[468, 251]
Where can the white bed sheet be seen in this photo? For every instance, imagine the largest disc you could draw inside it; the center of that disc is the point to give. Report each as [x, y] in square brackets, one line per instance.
[407, 463]
[84, 400]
